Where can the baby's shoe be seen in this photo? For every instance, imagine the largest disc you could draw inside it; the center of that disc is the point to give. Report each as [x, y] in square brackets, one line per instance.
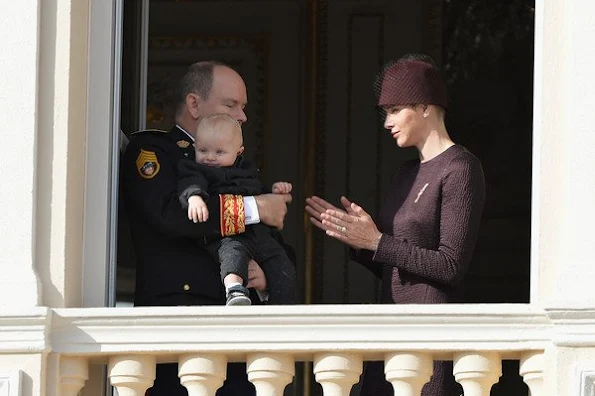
[238, 295]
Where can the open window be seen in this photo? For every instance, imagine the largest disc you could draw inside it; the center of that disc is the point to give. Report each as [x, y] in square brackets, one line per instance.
[309, 68]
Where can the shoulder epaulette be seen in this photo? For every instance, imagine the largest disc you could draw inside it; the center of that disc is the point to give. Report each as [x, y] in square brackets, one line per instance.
[149, 131]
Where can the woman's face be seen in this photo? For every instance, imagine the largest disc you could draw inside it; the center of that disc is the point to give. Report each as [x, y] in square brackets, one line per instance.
[404, 124]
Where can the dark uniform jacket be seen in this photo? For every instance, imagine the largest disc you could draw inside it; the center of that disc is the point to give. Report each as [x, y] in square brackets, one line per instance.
[168, 258]
[203, 180]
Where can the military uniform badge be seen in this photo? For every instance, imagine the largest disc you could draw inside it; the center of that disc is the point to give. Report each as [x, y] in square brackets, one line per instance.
[147, 164]
[183, 143]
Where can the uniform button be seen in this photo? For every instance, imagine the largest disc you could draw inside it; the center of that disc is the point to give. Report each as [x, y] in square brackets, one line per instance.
[186, 287]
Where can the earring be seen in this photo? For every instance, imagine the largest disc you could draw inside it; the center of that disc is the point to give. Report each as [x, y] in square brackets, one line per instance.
[425, 115]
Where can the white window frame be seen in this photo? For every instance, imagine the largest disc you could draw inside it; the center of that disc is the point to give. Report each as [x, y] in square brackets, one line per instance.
[103, 124]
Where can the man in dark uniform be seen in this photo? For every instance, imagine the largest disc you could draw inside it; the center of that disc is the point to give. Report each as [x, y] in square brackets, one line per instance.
[172, 267]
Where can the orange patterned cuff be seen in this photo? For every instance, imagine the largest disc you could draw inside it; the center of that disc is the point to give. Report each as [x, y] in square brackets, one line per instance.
[232, 214]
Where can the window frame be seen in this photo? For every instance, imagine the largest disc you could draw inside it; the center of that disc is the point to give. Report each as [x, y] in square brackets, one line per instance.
[101, 181]
[103, 123]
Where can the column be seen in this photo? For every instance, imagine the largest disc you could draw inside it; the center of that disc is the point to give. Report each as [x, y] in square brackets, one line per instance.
[337, 372]
[270, 372]
[408, 372]
[563, 180]
[132, 375]
[477, 372]
[74, 372]
[531, 369]
[202, 374]
[563, 216]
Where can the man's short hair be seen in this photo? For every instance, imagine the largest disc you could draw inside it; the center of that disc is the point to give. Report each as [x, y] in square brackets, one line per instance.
[198, 79]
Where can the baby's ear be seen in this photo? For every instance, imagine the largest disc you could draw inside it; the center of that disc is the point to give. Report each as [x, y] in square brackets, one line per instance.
[241, 150]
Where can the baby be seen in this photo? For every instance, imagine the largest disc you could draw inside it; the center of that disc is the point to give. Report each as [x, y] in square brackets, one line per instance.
[219, 168]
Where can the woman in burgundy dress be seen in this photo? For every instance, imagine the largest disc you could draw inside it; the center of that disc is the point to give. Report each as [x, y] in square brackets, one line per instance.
[423, 238]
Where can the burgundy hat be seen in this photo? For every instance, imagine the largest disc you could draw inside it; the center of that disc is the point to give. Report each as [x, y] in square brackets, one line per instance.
[412, 82]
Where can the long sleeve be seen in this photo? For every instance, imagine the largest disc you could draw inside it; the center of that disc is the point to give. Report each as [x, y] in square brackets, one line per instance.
[155, 197]
[191, 181]
[459, 208]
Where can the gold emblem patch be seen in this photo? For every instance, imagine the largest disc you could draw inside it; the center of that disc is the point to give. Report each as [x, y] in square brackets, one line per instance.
[183, 143]
[147, 164]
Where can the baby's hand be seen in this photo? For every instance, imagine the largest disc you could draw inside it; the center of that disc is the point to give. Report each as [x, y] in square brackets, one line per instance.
[281, 188]
[197, 209]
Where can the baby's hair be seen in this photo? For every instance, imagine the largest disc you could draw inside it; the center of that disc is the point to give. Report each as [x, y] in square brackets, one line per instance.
[214, 120]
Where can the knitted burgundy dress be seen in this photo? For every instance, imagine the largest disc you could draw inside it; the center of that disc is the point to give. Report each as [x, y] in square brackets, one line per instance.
[430, 223]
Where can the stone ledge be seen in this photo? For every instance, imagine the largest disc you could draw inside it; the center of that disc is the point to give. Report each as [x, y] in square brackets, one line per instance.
[25, 330]
[302, 330]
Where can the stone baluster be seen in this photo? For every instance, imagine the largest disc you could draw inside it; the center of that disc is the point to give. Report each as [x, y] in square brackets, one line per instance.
[74, 372]
[408, 372]
[477, 371]
[337, 372]
[270, 372]
[202, 374]
[132, 375]
[531, 369]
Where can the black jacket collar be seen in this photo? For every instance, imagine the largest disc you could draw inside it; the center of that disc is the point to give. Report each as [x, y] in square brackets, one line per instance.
[183, 141]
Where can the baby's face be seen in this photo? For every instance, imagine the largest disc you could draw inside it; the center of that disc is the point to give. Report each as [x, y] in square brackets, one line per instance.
[219, 146]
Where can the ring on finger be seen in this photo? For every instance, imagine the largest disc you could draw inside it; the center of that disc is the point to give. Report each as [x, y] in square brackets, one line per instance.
[343, 229]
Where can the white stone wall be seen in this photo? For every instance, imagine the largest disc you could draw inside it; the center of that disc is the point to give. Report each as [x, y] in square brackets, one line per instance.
[42, 151]
[563, 169]
[43, 72]
[45, 78]
[562, 270]
[18, 141]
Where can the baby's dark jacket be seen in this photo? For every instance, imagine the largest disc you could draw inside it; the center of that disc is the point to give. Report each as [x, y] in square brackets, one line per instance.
[196, 179]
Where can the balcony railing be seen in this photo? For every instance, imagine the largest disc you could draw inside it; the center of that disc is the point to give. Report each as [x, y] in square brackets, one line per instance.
[337, 339]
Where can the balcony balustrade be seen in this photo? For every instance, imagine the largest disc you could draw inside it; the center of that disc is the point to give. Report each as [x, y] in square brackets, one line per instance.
[337, 339]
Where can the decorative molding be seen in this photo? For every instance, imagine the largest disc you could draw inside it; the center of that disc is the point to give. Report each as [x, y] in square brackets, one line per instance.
[303, 330]
[572, 327]
[25, 330]
[10, 383]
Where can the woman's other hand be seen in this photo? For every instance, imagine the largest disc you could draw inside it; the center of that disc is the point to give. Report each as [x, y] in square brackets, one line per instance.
[353, 226]
[315, 206]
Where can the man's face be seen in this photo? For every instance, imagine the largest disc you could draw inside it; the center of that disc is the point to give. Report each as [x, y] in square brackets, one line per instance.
[228, 95]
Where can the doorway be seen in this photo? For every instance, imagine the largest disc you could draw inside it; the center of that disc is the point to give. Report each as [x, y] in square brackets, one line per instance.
[309, 67]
